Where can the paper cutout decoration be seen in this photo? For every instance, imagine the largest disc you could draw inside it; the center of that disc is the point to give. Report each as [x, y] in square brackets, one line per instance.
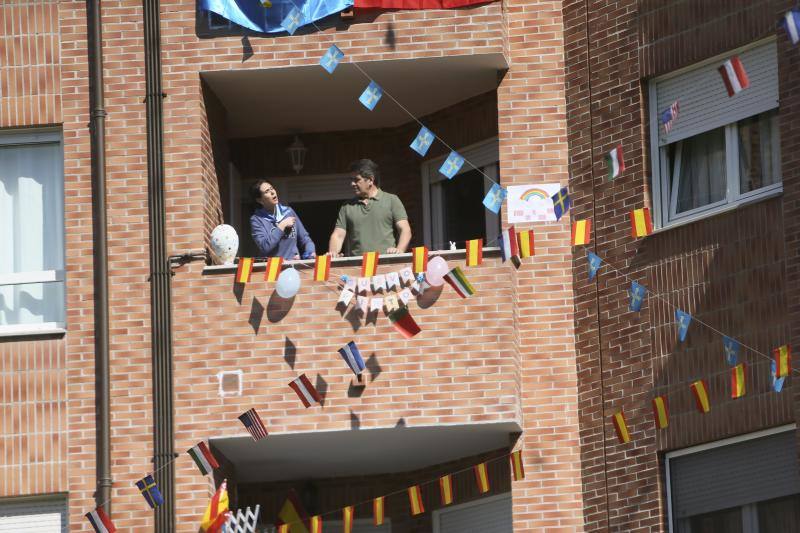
[147, 486]
[669, 116]
[508, 244]
[404, 323]
[100, 521]
[459, 282]
[305, 390]
[391, 303]
[661, 412]
[581, 232]
[641, 223]
[734, 76]
[378, 511]
[351, 284]
[561, 203]
[531, 203]
[621, 427]
[316, 524]
[446, 489]
[791, 22]
[244, 270]
[700, 392]
[292, 512]
[405, 295]
[392, 281]
[378, 283]
[406, 275]
[637, 293]
[517, 468]
[474, 252]
[738, 385]
[684, 319]
[352, 356]
[330, 60]
[375, 305]
[217, 513]
[347, 519]
[274, 265]
[731, 348]
[594, 264]
[371, 95]
[203, 458]
[422, 142]
[363, 285]
[451, 165]
[481, 477]
[419, 259]
[615, 162]
[293, 20]
[525, 241]
[252, 422]
[777, 383]
[345, 297]
[493, 200]
[369, 264]
[783, 360]
[322, 268]
[415, 500]
[363, 304]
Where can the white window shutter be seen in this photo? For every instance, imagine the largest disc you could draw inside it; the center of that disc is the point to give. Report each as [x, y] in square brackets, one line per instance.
[34, 516]
[491, 515]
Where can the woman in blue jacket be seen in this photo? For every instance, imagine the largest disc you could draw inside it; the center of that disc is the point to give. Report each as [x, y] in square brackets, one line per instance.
[276, 228]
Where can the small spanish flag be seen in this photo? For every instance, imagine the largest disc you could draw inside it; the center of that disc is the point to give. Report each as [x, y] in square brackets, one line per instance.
[446, 488]
[274, 265]
[661, 412]
[322, 267]
[517, 469]
[347, 519]
[482, 478]
[641, 224]
[419, 260]
[621, 427]
[369, 266]
[415, 500]
[316, 524]
[783, 360]
[581, 232]
[474, 252]
[283, 528]
[738, 387]
[525, 239]
[377, 511]
[244, 270]
[700, 392]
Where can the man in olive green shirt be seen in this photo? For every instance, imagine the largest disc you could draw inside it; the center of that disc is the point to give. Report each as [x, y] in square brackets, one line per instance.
[369, 220]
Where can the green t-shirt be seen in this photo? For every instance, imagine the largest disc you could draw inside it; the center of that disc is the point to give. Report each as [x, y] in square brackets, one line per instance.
[370, 226]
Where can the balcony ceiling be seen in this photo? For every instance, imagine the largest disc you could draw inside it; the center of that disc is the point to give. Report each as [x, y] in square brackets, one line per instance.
[358, 452]
[279, 101]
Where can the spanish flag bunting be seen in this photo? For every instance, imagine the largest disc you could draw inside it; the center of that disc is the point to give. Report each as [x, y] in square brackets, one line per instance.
[217, 511]
[415, 500]
[621, 427]
[738, 387]
[292, 514]
[581, 232]
[482, 478]
[369, 266]
[661, 412]
[284, 528]
[419, 259]
[274, 265]
[783, 360]
[525, 239]
[641, 224]
[474, 252]
[347, 519]
[517, 469]
[244, 270]
[377, 511]
[700, 392]
[322, 267]
[316, 524]
[446, 489]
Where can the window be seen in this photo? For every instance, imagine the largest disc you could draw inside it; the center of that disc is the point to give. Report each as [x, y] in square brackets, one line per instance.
[492, 514]
[31, 233]
[46, 514]
[748, 484]
[721, 151]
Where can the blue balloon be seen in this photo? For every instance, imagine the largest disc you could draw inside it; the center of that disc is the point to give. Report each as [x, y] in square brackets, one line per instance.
[288, 283]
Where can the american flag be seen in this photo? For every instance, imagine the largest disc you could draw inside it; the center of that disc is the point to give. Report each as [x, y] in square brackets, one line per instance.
[254, 425]
[669, 115]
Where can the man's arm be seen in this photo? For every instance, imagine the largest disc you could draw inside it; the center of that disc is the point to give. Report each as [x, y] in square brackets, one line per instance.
[336, 241]
[403, 239]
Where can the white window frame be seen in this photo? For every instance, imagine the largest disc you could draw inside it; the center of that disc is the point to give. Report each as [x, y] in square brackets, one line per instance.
[437, 514]
[45, 276]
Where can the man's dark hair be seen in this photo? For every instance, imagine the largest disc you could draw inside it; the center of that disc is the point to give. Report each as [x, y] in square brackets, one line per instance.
[366, 168]
[255, 191]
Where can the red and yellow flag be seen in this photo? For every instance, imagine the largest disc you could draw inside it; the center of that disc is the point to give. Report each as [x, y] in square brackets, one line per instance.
[415, 500]
[274, 265]
[517, 469]
[377, 511]
[700, 392]
[446, 488]
[474, 252]
[525, 239]
[347, 519]
[661, 412]
[482, 478]
[783, 360]
[217, 511]
[369, 266]
[641, 224]
[283, 528]
[322, 267]
[244, 270]
[581, 232]
[292, 515]
[316, 524]
[419, 259]
[738, 385]
[621, 427]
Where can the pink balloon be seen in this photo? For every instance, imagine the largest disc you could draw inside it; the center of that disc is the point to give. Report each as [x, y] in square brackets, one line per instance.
[437, 268]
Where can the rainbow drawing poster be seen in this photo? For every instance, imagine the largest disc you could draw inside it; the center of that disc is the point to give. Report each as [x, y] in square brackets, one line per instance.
[531, 203]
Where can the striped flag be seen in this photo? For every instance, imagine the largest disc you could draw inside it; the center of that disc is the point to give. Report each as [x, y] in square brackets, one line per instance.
[274, 265]
[738, 386]
[669, 115]
[446, 489]
[316, 524]
[305, 390]
[482, 478]
[474, 252]
[661, 412]
[581, 232]
[369, 265]
[459, 282]
[700, 392]
[244, 270]
[149, 489]
[252, 422]
[525, 239]
[641, 224]
[347, 519]
[404, 323]
[322, 267]
[203, 458]
[352, 356]
[415, 500]
[100, 521]
[217, 511]
[791, 21]
[615, 162]
[734, 76]
[621, 427]
[419, 259]
[283, 528]
[378, 511]
[508, 244]
[517, 468]
[783, 360]
[292, 515]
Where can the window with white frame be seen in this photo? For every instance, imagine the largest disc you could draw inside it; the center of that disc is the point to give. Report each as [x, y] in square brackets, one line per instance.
[720, 151]
[746, 484]
[31, 233]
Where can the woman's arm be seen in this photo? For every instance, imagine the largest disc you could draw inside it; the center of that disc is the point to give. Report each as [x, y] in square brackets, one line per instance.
[265, 234]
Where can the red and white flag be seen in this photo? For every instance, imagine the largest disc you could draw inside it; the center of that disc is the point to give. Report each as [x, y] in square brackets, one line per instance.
[734, 76]
[305, 390]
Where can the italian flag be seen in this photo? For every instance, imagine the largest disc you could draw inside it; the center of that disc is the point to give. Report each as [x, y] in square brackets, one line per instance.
[203, 458]
[615, 162]
[459, 282]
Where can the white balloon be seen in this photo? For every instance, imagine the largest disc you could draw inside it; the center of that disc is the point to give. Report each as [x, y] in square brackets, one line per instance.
[224, 244]
[288, 283]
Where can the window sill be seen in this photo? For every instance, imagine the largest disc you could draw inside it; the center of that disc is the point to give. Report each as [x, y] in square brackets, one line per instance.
[32, 330]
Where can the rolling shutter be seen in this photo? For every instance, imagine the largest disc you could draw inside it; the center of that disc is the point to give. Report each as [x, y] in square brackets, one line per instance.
[33, 515]
[491, 516]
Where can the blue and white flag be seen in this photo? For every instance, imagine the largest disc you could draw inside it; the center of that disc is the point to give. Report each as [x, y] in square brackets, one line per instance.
[423, 141]
[252, 15]
[293, 21]
[777, 383]
[494, 198]
[594, 263]
[561, 203]
[452, 165]
[791, 21]
[371, 95]
[330, 60]
[637, 293]
[731, 347]
[352, 357]
[684, 319]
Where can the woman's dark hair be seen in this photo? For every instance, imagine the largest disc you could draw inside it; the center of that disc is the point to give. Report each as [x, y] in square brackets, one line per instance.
[366, 168]
[255, 191]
